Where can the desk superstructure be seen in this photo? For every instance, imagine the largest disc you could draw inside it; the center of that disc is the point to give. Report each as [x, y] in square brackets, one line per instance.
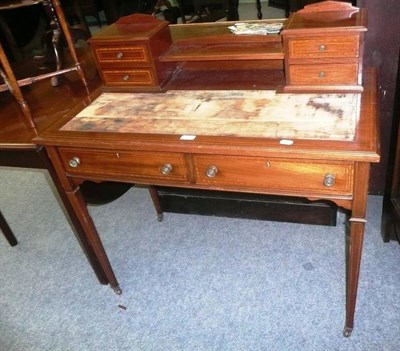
[197, 131]
[320, 49]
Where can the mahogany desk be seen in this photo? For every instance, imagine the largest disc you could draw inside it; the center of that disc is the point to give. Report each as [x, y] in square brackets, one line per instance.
[97, 145]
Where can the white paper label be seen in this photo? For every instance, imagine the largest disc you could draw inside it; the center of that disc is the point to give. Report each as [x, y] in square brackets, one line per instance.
[188, 137]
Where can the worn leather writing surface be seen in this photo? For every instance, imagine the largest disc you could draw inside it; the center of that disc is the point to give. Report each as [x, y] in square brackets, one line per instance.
[241, 113]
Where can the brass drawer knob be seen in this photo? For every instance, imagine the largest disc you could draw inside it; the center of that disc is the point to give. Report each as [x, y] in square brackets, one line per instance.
[329, 180]
[322, 74]
[322, 48]
[120, 55]
[74, 161]
[211, 171]
[166, 168]
[125, 77]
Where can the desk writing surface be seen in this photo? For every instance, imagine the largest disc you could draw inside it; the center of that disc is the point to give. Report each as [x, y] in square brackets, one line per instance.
[239, 113]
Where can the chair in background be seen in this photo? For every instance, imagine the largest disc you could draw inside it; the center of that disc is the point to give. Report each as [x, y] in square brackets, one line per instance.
[59, 27]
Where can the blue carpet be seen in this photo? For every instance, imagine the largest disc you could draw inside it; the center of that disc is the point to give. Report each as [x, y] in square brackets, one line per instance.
[189, 283]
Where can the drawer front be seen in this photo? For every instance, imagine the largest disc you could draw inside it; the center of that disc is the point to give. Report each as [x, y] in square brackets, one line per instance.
[136, 165]
[122, 55]
[136, 77]
[324, 74]
[283, 176]
[324, 47]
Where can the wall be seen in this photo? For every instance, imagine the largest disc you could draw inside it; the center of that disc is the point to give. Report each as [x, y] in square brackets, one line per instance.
[382, 51]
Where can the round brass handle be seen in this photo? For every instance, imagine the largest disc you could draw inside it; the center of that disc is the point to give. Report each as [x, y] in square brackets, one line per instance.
[322, 48]
[211, 171]
[74, 161]
[322, 74]
[120, 55]
[166, 168]
[329, 179]
[125, 77]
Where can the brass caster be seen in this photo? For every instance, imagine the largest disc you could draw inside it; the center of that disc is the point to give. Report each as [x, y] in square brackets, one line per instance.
[347, 332]
[160, 217]
[117, 289]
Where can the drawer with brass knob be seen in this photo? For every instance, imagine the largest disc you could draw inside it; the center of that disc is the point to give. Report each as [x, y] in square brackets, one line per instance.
[129, 165]
[324, 74]
[127, 54]
[121, 56]
[277, 175]
[136, 77]
[324, 47]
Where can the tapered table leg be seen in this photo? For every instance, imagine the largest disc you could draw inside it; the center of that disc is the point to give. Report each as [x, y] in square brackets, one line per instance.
[79, 231]
[78, 206]
[357, 227]
[156, 202]
[5, 228]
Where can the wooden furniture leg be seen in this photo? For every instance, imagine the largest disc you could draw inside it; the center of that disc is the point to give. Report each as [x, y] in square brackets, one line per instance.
[5, 228]
[36, 157]
[12, 85]
[156, 202]
[79, 231]
[259, 10]
[233, 11]
[80, 212]
[357, 227]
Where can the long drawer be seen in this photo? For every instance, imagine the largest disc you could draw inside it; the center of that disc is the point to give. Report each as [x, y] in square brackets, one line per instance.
[213, 171]
[130, 165]
[274, 174]
[324, 74]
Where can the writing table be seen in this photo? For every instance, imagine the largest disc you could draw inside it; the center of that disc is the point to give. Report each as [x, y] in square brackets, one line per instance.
[316, 146]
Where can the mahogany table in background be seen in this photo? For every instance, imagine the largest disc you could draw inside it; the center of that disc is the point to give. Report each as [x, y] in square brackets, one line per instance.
[47, 104]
